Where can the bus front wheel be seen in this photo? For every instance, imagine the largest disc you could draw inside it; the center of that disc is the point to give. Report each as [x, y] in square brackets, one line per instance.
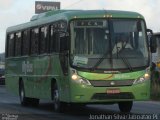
[125, 106]
[58, 105]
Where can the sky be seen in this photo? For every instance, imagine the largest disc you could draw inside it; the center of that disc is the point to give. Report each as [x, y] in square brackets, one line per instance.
[13, 12]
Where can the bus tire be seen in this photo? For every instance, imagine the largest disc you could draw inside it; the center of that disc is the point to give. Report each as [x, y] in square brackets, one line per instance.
[26, 101]
[23, 100]
[77, 106]
[125, 106]
[34, 102]
[58, 105]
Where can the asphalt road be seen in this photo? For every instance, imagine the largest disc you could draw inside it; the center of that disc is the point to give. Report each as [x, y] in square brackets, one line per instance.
[10, 109]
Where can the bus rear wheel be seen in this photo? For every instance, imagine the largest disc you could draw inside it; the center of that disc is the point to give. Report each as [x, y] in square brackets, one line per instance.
[125, 106]
[58, 105]
[26, 101]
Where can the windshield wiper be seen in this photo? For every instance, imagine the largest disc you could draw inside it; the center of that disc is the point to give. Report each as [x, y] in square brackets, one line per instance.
[124, 59]
[99, 61]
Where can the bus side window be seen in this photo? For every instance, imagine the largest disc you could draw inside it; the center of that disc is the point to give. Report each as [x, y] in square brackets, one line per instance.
[10, 45]
[63, 41]
[34, 41]
[25, 42]
[18, 44]
[53, 37]
[43, 39]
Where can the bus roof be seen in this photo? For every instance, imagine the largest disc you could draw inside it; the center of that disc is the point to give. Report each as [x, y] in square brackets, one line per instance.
[67, 15]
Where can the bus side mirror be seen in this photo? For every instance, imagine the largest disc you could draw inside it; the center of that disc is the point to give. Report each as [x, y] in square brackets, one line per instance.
[153, 44]
[139, 25]
[152, 41]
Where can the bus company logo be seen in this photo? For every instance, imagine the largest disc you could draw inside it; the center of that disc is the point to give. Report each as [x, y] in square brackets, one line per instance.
[38, 6]
[27, 67]
[45, 7]
[112, 83]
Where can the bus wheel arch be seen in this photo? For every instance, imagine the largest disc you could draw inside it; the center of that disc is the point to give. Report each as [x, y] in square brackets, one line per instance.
[25, 101]
[53, 82]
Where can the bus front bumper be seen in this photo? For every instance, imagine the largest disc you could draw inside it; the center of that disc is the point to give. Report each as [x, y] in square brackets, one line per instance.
[91, 94]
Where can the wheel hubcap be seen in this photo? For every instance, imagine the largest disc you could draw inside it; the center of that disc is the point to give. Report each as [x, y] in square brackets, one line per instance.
[56, 99]
[21, 94]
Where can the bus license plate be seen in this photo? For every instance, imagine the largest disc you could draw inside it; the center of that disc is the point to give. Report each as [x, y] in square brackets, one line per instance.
[113, 91]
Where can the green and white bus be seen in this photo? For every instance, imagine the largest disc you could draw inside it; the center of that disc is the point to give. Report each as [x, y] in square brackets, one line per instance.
[67, 56]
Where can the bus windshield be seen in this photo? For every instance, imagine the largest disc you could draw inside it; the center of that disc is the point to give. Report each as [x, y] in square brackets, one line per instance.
[115, 44]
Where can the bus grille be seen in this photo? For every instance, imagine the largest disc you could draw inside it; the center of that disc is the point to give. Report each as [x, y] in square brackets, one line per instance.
[108, 83]
[105, 96]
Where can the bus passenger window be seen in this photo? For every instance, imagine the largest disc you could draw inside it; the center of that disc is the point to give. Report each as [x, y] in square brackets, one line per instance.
[63, 41]
[34, 41]
[10, 45]
[25, 42]
[18, 44]
[43, 39]
[53, 38]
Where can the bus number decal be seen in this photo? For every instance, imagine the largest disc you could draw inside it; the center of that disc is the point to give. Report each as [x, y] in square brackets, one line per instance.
[27, 67]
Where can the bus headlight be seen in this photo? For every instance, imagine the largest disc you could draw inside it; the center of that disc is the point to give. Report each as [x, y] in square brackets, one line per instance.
[147, 76]
[80, 80]
[74, 77]
[142, 79]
